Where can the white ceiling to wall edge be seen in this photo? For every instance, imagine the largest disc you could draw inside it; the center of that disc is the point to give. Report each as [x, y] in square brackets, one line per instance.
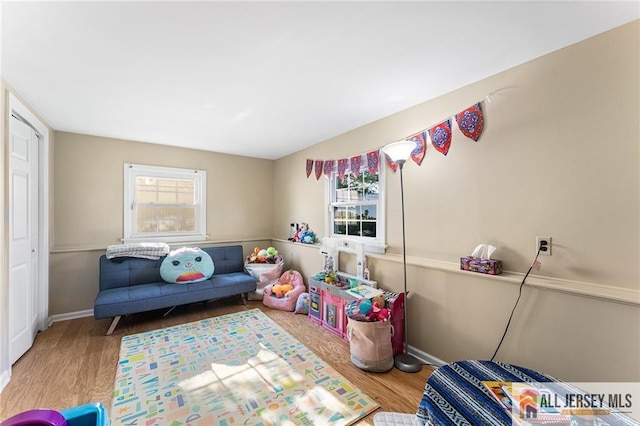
[266, 79]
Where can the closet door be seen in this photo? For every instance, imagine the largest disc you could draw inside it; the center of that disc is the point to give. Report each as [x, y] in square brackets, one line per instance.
[23, 237]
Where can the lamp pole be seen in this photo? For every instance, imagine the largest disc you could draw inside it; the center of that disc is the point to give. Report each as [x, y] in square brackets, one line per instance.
[405, 362]
[399, 152]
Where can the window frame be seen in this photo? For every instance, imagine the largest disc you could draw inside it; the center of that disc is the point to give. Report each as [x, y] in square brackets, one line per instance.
[375, 244]
[132, 172]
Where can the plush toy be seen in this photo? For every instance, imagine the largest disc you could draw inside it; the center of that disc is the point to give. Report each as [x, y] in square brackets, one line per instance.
[186, 265]
[366, 310]
[301, 230]
[365, 307]
[268, 255]
[276, 290]
[280, 290]
[304, 235]
[380, 299]
[379, 314]
[302, 304]
[308, 238]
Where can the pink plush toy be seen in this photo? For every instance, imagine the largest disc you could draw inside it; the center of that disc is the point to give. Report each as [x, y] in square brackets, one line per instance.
[377, 313]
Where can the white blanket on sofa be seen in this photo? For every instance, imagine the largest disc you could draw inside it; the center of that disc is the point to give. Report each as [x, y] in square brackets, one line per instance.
[153, 251]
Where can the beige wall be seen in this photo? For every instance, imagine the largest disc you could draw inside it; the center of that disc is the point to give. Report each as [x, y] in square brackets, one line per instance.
[89, 211]
[559, 157]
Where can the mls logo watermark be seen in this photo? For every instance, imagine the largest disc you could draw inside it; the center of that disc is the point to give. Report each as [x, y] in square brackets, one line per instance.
[569, 403]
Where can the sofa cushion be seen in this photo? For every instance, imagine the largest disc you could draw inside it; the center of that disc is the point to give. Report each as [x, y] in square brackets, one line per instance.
[125, 272]
[159, 295]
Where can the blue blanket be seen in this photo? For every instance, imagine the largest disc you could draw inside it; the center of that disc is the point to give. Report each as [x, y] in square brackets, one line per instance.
[454, 395]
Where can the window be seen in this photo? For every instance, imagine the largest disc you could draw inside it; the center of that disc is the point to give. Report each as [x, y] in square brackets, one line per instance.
[356, 208]
[164, 204]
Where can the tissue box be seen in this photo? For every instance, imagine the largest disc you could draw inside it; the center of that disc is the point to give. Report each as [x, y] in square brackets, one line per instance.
[484, 266]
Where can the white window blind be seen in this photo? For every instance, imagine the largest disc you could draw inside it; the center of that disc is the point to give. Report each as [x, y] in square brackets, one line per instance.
[164, 204]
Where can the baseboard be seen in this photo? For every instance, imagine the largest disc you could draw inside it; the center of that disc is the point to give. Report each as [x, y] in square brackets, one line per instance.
[4, 379]
[70, 316]
[425, 357]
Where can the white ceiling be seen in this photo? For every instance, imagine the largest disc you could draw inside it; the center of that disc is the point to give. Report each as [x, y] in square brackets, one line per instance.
[266, 79]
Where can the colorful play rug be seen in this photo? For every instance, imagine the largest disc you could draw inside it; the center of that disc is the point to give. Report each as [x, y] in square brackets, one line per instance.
[236, 369]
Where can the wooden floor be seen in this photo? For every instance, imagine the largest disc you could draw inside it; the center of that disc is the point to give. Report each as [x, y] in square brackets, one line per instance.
[74, 363]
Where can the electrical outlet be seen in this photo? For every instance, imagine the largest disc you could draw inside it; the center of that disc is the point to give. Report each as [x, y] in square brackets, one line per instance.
[542, 240]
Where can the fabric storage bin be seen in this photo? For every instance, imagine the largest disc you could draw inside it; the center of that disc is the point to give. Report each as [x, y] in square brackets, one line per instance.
[370, 345]
[265, 274]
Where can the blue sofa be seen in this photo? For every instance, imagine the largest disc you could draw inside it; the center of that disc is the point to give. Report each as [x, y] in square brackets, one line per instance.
[131, 285]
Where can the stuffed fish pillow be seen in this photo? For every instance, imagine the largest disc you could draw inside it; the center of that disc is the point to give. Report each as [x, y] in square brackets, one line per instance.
[186, 265]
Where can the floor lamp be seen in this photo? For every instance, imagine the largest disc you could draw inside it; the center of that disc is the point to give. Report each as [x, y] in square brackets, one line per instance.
[399, 153]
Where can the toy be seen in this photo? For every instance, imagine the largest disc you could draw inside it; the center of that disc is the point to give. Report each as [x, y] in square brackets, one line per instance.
[378, 313]
[186, 265]
[308, 238]
[277, 291]
[365, 307]
[304, 235]
[269, 255]
[302, 304]
[291, 285]
[367, 310]
[280, 290]
[380, 299]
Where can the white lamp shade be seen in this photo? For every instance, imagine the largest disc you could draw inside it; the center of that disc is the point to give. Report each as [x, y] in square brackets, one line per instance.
[399, 151]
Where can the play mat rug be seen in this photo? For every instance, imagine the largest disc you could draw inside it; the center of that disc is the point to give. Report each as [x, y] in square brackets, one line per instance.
[234, 369]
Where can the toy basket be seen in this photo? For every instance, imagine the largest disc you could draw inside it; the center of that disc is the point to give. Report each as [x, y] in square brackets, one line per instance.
[264, 274]
[288, 301]
[370, 345]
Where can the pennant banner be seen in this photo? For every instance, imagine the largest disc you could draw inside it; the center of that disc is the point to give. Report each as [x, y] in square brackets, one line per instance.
[328, 168]
[417, 155]
[342, 167]
[355, 166]
[441, 136]
[318, 169]
[309, 167]
[470, 121]
[391, 164]
[373, 160]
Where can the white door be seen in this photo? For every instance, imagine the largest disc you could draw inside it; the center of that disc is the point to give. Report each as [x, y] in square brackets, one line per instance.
[23, 237]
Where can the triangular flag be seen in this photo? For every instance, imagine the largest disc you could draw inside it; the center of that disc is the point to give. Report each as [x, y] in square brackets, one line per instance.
[318, 169]
[417, 154]
[441, 136]
[328, 168]
[470, 121]
[309, 167]
[391, 164]
[355, 166]
[342, 167]
[373, 160]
